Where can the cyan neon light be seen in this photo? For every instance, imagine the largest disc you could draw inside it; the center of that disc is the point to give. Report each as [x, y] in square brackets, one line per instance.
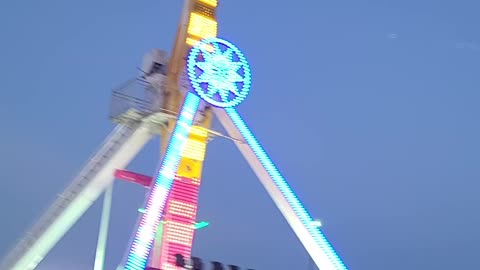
[287, 191]
[223, 79]
[142, 243]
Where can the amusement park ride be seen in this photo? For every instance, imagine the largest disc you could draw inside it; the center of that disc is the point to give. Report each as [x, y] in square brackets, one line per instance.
[204, 76]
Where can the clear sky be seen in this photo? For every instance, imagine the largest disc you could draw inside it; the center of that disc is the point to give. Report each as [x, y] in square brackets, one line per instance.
[370, 109]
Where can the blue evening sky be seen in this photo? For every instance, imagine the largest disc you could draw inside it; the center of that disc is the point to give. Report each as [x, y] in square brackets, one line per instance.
[369, 107]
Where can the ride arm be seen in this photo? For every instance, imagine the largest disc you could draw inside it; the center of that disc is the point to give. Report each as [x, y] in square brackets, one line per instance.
[283, 196]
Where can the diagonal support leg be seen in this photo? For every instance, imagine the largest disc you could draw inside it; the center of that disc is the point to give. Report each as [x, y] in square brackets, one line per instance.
[288, 203]
[116, 152]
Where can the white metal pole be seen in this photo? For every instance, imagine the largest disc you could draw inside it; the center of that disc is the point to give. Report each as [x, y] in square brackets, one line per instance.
[103, 232]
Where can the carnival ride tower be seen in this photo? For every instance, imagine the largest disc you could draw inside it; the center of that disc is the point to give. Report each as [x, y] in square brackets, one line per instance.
[220, 75]
[176, 230]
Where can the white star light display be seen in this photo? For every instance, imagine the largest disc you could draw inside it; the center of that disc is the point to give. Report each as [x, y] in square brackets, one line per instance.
[223, 78]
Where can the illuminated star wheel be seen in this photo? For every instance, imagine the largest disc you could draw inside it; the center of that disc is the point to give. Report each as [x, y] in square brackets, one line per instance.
[219, 72]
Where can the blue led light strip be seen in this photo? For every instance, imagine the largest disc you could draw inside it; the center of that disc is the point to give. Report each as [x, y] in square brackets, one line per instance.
[286, 190]
[143, 240]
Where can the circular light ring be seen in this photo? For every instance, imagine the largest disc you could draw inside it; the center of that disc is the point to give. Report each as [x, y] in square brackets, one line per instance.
[217, 79]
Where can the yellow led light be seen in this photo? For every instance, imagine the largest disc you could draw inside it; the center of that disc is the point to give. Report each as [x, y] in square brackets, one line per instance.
[179, 233]
[196, 145]
[201, 26]
[199, 131]
[212, 3]
[196, 181]
[180, 238]
[170, 266]
[191, 41]
[182, 209]
[194, 150]
[178, 226]
[187, 179]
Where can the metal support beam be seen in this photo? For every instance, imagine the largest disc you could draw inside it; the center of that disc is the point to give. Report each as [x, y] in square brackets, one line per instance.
[116, 152]
[282, 195]
[103, 232]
